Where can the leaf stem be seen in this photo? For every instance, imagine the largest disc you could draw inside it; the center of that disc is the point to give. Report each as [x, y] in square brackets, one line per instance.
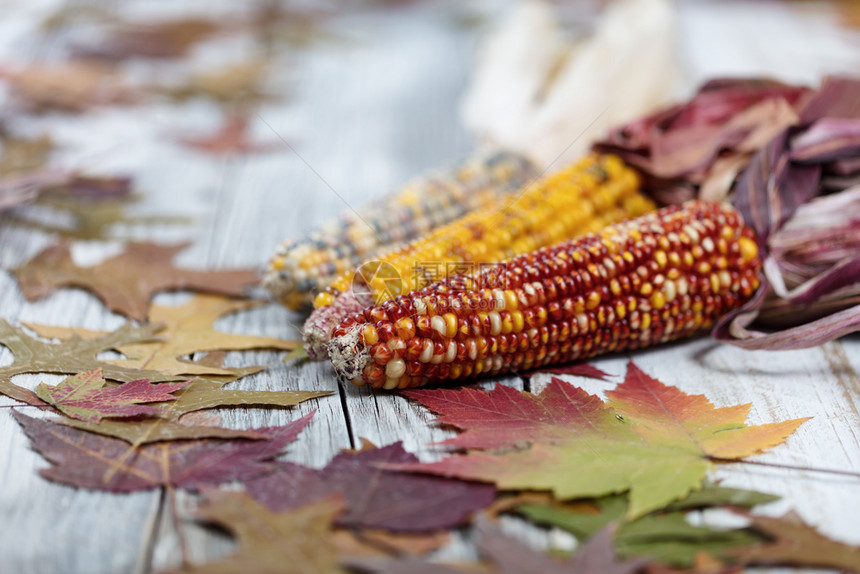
[834, 471]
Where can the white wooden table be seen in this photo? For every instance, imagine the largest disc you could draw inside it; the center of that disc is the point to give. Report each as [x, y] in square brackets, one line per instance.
[367, 111]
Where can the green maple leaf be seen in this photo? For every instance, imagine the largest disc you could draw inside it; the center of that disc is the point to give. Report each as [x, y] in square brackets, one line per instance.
[650, 440]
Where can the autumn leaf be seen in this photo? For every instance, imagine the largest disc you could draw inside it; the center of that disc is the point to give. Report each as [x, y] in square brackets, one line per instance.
[126, 282]
[86, 460]
[231, 138]
[75, 355]
[294, 542]
[23, 155]
[665, 536]
[85, 397]
[375, 498]
[157, 40]
[71, 86]
[187, 329]
[792, 542]
[651, 440]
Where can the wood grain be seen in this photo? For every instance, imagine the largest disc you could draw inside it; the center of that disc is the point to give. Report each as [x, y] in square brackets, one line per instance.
[365, 113]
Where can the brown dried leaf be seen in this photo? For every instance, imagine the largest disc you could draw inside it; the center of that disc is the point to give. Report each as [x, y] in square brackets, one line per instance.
[795, 543]
[294, 542]
[126, 282]
[159, 40]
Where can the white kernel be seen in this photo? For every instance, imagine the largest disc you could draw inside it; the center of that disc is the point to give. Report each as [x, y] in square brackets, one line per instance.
[395, 369]
[495, 322]
[669, 290]
[692, 233]
[682, 285]
[437, 323]
[708, 244]
[391, 383]
[419, 306]
[452, 352]
[499, 297]
[426, 351]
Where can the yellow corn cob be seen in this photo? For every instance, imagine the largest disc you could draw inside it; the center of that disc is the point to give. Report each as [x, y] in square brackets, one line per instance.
[584, 197]
[300, 268]
[657, 278]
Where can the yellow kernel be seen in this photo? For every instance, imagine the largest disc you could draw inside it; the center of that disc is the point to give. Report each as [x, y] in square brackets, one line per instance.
[369, 334]
[620, 310]
[511, 302]
[323, 300]
[658, 300]
[592, 301]
[646, 322]
[646, 289]
[615, 287]
[661, 258]
[749, 249]
[518, 321]
[391, 383]
[450, 325]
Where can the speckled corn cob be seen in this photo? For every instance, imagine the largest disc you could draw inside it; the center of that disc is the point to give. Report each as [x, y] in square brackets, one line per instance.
[300, 268]
[584, 197]
[660, 277]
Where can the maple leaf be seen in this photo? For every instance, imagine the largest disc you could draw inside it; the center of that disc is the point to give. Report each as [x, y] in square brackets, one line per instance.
[187, 329]
[125, 282]
[75, 355]
[85, 397]
[231, 138]
[665, 536]
[651, 440]
[294, 542]
[88, 460]
[375, 498]
[792, 542]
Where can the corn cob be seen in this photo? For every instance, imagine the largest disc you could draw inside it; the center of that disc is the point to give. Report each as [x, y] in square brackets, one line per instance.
[586, 196]
[656, 278]
[300, 268]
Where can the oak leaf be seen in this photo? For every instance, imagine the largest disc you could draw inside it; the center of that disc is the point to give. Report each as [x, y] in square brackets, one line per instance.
[375, 498]
[88, 460]
[126, 282]
[651, 440]
[75, 355]
[85, 397]
[188, 329]
[293, 542]
[792, 542]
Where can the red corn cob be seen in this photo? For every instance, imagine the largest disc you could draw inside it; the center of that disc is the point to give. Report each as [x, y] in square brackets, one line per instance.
[648, 280]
